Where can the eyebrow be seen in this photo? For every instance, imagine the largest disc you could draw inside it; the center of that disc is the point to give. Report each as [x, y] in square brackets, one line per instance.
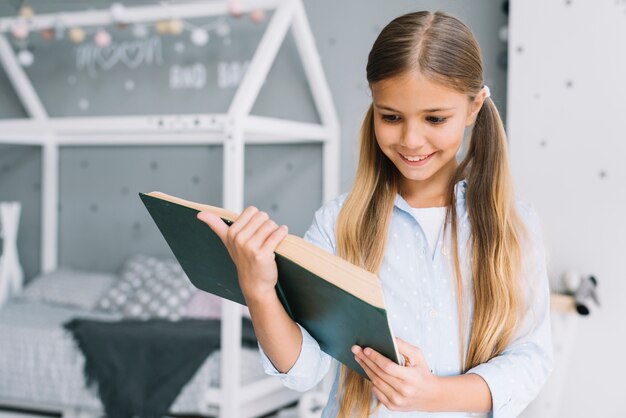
[382, 107]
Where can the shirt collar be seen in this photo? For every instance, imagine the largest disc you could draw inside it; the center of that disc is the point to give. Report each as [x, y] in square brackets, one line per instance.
[460, 189]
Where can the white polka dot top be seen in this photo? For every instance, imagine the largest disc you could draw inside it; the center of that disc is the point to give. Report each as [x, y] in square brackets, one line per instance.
[419, 288]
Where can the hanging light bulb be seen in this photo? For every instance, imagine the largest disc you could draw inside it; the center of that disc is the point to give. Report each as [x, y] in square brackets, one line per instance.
[234, 8]
[76, 35]
[162, 27]
[175, 26]
[26, 12]
[20, 30]
[257, 15]
[47, 34]
[25, 58]
[199, 36]
[118, 12]
[102, 38]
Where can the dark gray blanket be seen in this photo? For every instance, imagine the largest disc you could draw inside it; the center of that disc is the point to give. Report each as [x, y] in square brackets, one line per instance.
[140, 366]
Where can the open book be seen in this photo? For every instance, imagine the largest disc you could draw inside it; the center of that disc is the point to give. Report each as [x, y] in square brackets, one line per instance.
[338, 303]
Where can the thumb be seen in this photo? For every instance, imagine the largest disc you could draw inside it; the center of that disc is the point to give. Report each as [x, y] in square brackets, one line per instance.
[412, 354]
[215, 223]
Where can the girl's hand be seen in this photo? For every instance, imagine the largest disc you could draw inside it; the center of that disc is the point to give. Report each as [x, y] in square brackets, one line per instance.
[412, 387]
[251, 241]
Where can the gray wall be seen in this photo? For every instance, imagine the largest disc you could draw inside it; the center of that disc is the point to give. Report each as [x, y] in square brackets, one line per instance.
[102, 221]
[576, 182]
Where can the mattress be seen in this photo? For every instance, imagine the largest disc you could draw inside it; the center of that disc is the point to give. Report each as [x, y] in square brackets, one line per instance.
[41, 364]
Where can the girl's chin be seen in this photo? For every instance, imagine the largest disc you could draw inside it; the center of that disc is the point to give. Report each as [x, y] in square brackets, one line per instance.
[414, 176]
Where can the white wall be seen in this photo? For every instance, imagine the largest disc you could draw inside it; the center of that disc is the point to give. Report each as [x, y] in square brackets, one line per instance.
[567, 131]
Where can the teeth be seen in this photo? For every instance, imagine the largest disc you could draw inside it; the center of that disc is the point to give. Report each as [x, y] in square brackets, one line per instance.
[414, 158]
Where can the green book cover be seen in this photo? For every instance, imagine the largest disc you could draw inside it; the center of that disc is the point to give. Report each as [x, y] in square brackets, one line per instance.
[336, 318]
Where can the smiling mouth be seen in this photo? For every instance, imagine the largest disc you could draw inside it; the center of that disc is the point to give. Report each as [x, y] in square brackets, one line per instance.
[417, 158]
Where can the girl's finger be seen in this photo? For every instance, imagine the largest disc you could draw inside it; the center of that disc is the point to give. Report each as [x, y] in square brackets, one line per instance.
[366, 369]
[275, 238]
[215, 223]
[244, 234]
[412, 354]
[242, 220]
[262, 233]
[392, 372]
[385, 382]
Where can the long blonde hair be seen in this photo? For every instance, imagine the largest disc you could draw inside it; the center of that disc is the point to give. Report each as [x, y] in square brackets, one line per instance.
[445, 51]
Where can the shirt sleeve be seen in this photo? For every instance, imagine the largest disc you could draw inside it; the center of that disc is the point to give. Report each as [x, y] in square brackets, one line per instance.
[308, 370]
[516, 376]
[312, 363]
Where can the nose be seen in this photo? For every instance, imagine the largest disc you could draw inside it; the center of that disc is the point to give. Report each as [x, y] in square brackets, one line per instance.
[412, 136]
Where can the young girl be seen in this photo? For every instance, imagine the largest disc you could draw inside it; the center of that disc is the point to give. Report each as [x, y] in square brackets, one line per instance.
[459, 257]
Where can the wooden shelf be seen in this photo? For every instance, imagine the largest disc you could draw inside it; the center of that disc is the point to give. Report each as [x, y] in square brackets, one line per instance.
[562, 303]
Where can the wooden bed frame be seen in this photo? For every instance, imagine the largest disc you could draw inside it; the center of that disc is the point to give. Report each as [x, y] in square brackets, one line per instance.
[233, 130]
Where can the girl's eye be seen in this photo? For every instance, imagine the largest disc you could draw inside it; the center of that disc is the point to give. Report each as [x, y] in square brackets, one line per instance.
[390, 118]
[435, 120]
[432, 119]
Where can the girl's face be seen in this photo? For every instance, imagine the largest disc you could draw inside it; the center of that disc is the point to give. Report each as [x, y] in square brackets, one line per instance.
[416, 119]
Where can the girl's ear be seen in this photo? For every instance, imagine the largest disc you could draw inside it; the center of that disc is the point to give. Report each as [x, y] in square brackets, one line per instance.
[474, 108]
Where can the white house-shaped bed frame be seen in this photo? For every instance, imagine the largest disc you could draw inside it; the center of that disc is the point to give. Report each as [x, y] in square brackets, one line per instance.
[232, 129]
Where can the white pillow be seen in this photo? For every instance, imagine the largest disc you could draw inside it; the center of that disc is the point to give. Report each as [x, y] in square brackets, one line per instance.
[149, 287]
[68, 287]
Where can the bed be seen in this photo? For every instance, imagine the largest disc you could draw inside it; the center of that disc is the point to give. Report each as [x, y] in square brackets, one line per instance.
[41, 366]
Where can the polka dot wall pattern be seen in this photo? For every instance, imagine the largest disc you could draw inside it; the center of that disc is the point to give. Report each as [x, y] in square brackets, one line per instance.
[102, 221]
[569, 84]
[566, 91]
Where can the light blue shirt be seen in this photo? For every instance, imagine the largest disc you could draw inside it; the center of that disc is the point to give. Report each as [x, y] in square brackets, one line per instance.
[420, 297]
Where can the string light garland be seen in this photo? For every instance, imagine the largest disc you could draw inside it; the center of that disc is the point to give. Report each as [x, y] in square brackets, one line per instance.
[77, 35]
[102, 38]
[25, 58]
[20, 30]
[26, 12]
[199, 35]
